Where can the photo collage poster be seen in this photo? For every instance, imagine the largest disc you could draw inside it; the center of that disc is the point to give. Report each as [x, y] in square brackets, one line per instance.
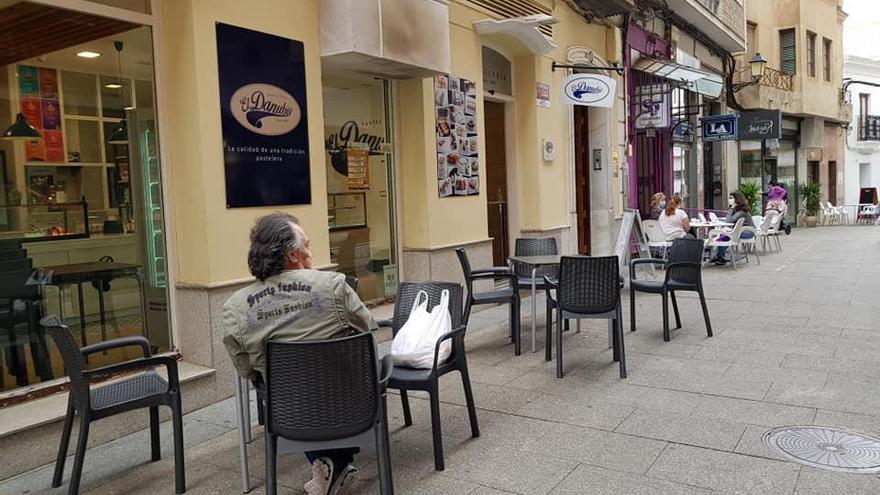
[458, 164]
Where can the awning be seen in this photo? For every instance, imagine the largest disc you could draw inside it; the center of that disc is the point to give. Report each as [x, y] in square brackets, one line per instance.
[524, 29]
[705, 83]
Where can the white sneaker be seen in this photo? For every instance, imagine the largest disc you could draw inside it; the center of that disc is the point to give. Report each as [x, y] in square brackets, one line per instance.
[344, 483]
[322, 473]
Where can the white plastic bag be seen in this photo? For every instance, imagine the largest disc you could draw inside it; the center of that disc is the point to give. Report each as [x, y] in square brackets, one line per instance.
[413, 346]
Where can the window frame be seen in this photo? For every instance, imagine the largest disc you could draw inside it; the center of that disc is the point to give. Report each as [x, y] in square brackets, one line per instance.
[811, 53]
[785, 63]
[826, 59]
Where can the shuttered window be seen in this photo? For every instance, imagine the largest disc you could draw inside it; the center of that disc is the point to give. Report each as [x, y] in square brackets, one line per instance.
[826, 58]
[787, 51]
[811, 54]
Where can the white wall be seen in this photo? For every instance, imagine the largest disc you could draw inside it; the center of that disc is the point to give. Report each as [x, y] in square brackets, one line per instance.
[858, 152]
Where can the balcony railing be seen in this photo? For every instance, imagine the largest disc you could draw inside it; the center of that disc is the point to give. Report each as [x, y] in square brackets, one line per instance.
[773, 78]
[869, 128]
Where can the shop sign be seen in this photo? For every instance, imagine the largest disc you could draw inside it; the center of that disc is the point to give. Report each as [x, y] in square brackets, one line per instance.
[496, 72]
[591, 90]
[719, 127]
[543, 91]
[652, 106]
[263, 117]
[759, 125]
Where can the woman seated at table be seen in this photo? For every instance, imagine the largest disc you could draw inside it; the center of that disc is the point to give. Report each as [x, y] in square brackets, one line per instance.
[674, 221]
[658, 202]
[739, 208]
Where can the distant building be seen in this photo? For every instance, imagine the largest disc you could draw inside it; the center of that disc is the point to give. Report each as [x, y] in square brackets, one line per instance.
[863, 138]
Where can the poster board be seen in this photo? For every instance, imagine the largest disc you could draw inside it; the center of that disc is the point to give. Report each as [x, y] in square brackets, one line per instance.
[631, 232]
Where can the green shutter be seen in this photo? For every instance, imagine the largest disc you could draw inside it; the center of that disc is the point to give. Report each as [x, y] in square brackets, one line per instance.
[788, 51]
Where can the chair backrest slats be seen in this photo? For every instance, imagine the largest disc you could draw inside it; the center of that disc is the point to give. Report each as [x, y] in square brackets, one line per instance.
[685, 250]
[406, 296]
[589, 285]
[322, 390]
[74, 362]
[535, 247]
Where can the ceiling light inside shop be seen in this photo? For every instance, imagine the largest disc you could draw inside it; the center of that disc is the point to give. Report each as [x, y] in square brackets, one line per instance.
[113, 86]
[88, 54]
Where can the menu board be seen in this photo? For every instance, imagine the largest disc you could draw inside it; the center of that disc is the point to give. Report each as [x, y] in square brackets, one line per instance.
[458, 163]
[38, 102]
[358, 169]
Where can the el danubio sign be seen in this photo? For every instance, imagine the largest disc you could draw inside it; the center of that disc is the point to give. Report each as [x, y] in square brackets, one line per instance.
[263, 118]
[590, 90]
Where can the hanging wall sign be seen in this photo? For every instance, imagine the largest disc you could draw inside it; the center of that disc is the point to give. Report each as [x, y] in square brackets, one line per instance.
[719, 127]
[590, 90]
[761, 124]
[458, 159]
[653, 106]
[263, 117]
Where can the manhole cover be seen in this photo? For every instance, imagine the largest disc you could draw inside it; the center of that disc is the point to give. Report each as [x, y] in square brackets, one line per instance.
[826, 448]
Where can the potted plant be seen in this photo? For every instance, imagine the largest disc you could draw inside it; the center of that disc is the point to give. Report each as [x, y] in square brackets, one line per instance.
[811, 193]
[752, 193]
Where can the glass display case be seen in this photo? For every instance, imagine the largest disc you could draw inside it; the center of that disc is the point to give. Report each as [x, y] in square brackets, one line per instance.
[48, 222]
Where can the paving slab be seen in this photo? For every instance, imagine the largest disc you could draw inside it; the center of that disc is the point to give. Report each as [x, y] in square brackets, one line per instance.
[690, 430]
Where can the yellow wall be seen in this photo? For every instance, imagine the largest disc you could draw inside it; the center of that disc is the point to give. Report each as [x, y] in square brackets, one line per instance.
[211, 240]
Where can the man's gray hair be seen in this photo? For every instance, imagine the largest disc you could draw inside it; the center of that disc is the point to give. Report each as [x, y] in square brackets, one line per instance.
[272, 237]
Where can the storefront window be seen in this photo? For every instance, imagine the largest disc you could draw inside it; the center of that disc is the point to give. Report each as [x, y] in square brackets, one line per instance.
[81, 228]
[360, 183]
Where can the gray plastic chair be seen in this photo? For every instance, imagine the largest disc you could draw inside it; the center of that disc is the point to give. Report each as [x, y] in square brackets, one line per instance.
[143, 390]
[326, 394]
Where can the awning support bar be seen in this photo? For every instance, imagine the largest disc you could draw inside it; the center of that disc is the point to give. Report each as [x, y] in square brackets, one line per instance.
[615, 68]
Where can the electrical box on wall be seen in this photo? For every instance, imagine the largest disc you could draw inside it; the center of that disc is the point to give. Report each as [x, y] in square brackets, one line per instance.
[549, 148]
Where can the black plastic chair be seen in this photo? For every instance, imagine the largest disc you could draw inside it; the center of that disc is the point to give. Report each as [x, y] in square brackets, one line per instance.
[146, 389]
[683, 273]
[507, 295]
[326, 394]
[21, 308]
[544, 246]
[588, 287]
[405, 379]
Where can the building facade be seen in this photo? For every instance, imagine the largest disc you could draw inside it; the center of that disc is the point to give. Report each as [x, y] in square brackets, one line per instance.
[803, 80]
[426, 125]
[863, 135]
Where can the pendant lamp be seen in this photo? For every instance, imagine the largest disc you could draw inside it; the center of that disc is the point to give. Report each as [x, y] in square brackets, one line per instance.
[20, 129]
[119, 135]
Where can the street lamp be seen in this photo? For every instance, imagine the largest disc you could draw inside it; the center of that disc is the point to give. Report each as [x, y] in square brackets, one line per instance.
[757, 65]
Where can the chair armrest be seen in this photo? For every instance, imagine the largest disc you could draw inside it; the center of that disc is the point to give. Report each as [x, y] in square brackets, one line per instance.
[446, 336]
[550, 284]
[493, 275]
[387, 366]
[642, 261]
[120, 342]
[139, 364]
[384, 323]
[492, 269]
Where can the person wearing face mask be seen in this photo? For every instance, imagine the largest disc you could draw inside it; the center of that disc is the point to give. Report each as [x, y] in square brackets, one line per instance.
[658, 203]
[674, 221]
[739, 208]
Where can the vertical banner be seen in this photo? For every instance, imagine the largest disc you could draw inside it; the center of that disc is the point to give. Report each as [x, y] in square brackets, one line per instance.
[263, 117]
[458, 160]
[38, 90]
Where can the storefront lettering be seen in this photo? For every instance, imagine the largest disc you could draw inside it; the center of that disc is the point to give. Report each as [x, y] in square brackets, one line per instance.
[761, 126]
[349, 133]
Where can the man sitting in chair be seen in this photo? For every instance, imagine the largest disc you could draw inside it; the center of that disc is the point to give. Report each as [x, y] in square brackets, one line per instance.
[291, 301]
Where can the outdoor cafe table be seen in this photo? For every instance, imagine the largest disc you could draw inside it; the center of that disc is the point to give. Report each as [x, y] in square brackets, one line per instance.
[536, 262]
[705, 226]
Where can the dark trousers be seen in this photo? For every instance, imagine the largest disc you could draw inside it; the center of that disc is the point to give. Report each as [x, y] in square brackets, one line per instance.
[340, 457]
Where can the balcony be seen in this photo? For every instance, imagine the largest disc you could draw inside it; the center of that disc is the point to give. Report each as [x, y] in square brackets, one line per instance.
[773, 78]
[869, 128]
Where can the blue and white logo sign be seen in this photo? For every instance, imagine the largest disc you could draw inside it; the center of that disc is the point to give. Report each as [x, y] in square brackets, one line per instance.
[265, 109]
[590, 90]
[719, 127]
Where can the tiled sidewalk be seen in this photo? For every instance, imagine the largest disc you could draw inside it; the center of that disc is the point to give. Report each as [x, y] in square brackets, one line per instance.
[796, 343]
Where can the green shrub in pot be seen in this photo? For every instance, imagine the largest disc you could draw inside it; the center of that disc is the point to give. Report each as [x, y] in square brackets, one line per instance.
[811, 194]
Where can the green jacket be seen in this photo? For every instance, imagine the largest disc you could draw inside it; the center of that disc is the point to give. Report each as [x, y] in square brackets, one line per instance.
[294, 305]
